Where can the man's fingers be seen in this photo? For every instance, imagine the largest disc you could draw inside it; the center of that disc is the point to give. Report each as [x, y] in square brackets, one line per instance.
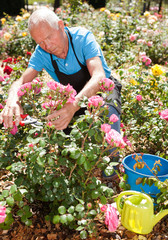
[17, 116]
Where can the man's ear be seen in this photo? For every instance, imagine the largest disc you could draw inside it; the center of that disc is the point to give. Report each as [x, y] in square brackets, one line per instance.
[61, 25]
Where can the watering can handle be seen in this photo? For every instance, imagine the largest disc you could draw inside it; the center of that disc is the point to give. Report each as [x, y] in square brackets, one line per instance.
[130, 193]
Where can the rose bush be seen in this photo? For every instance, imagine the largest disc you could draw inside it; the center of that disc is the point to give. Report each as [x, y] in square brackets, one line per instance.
[51, 166]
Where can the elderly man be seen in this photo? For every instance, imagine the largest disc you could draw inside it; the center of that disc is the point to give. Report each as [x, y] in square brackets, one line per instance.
[69, 55]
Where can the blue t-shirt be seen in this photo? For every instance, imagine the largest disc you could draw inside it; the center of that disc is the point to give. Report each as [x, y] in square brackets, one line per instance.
[85, 47]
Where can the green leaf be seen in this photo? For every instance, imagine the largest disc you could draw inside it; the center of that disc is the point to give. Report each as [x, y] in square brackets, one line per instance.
[63, 219]
[10, 201]
[103, 200]
[42, 143]
[71, 209]
[70, 218]
[17, 196]
[62, 210]
[56, 219]
[87, 165]
[95, 194]
[28, 222]
[1, 198]
[13, 189]
[83, 234]
[81, 160]
[5, 193]
[93, 212]
[79, 208]
[109, 170]
[79, 228]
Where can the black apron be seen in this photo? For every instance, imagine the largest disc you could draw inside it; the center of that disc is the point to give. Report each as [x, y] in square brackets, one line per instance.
[79, 79]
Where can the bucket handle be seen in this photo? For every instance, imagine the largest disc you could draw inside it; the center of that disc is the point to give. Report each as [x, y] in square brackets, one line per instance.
[130, 193]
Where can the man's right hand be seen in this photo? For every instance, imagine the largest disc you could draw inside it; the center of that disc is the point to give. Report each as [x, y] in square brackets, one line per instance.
[10, 113]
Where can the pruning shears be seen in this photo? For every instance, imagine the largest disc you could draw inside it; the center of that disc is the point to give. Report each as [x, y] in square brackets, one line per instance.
[29, 120]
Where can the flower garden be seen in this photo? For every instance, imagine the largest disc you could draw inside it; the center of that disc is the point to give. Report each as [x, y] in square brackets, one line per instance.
[57, 176]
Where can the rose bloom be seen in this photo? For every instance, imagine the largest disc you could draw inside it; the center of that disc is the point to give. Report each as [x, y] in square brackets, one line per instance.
[157, 70]
[26, 15]
[19, 18]
[133, 37]
[7, 70]
[2, 79]
[146, 60]
[24, 34]
[1, 106]
[150, 43]
[107, 84]
[53, 85]
[7, 36]
[2, 214]
[95, 101]
[3, 20]
[133, 81]
[113, 118]
[138, 97]
[31, 145]
[164, 114]
[115, 139]
[14, 130]
[127, 141]
[111, 218]
[105, 127]
[103, 208]
[146, 14]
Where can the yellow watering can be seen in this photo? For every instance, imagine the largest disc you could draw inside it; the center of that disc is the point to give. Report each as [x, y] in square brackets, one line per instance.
[137, 214]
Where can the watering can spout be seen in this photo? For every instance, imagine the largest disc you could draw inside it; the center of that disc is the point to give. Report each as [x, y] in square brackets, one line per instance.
[159, 216]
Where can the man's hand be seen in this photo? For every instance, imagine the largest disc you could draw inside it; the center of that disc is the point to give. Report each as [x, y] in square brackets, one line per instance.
[11, 109]
[61, 118]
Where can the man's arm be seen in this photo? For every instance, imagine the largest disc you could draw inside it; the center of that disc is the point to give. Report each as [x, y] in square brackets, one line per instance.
[65, 114]
[12, 107]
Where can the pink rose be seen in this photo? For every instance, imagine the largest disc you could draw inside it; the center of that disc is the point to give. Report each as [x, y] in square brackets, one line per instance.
[139, 97]
[31, 145]
[115, 139]
[89, 205]
[2, 214]
[107, 84]
[103, 208]
[127, 141]
[105, 127]
[49, 124]
[150, 43]
[132, 37]
[146, 60]
[1, 106]
[111, 218]
[95, 101]
[53, 85]
[14, 130]
[113, 118]
[1, 79]
[121, 125]
[164, 114]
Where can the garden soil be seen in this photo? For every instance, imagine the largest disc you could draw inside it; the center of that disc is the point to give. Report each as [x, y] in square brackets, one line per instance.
[44, 230]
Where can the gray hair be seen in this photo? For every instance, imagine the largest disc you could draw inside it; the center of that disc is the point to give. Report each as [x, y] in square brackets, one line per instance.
[43, 15]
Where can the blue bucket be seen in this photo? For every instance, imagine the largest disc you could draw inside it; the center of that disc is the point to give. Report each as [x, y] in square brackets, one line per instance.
[129, 162]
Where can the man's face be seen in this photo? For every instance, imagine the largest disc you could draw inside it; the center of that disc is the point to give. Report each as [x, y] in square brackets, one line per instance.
[50, 39]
